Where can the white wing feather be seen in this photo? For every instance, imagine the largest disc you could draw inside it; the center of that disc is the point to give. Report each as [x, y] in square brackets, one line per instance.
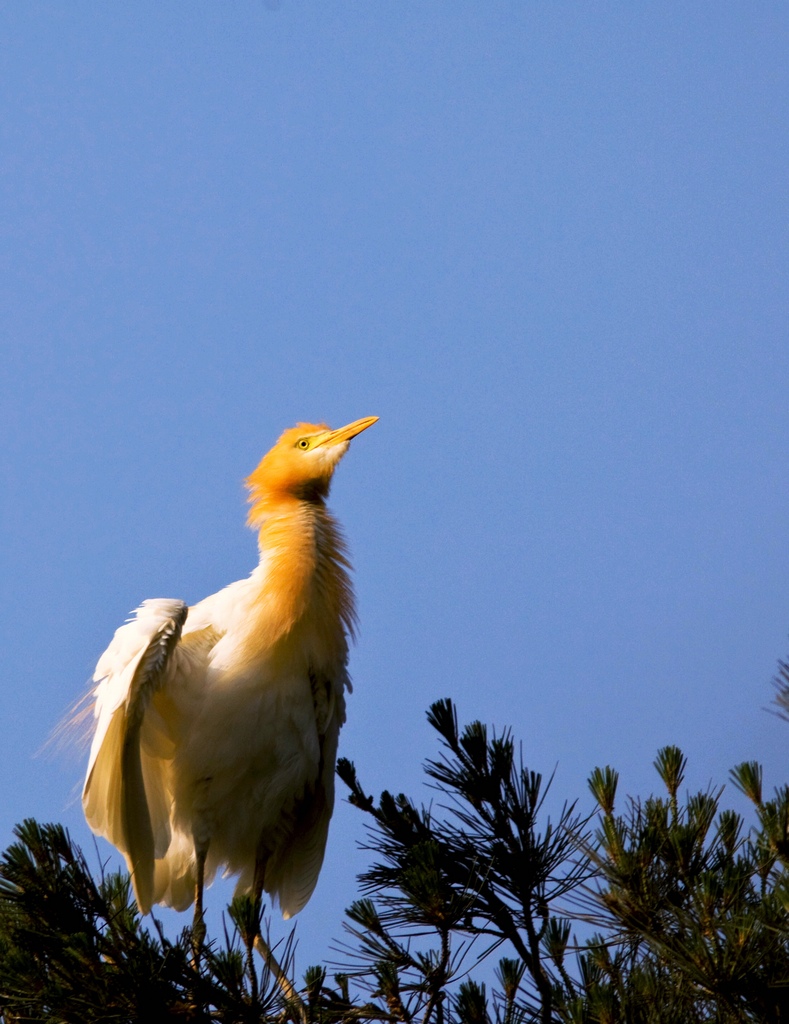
[124, 800]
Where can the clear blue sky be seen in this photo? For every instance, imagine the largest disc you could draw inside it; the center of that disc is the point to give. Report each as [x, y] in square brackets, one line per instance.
[545, 243]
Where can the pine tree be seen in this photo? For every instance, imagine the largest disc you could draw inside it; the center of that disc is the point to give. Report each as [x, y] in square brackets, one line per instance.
[476, 909]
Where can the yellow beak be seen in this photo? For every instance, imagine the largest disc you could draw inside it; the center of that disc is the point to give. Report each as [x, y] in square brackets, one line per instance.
[332, 437]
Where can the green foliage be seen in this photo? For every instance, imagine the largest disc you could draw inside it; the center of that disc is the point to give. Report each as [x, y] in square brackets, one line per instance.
[781, 684]
[447, 889]
[670, 909]
[72, 949]
[691, 908]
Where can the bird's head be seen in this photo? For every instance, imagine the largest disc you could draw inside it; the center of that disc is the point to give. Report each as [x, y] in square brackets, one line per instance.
[300, 465]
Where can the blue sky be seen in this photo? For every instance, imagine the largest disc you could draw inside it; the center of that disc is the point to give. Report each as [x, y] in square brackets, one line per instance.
[545, 243]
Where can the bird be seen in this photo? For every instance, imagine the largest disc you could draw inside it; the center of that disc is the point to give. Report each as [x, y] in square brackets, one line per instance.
[216, 725]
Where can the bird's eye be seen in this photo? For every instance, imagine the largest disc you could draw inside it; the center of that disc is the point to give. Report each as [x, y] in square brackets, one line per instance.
[303, 443]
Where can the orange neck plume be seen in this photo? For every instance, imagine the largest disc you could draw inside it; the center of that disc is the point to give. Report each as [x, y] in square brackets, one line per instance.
[307, 585]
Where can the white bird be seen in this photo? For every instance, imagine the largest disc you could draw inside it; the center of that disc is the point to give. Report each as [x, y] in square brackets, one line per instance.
[217, 725]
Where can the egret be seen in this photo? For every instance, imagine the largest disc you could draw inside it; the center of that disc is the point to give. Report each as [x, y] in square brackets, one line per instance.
[217, 725]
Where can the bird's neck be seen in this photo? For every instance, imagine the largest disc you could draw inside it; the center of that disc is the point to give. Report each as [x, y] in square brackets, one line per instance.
[306, 589]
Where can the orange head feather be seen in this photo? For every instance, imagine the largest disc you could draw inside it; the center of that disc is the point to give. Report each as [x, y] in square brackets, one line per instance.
[300, 466]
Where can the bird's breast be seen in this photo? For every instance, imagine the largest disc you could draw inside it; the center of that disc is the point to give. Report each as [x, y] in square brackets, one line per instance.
[296, 608]
[250, 754]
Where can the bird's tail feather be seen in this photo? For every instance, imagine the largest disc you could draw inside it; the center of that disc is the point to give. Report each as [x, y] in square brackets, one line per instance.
[174, 875]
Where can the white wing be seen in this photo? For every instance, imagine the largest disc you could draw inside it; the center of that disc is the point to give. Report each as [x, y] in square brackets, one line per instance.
[124, 798]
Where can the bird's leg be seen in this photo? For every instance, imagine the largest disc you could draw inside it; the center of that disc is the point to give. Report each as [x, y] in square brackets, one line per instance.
[284, 982]
[259, 880]
[263, 948]
[198, 923]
